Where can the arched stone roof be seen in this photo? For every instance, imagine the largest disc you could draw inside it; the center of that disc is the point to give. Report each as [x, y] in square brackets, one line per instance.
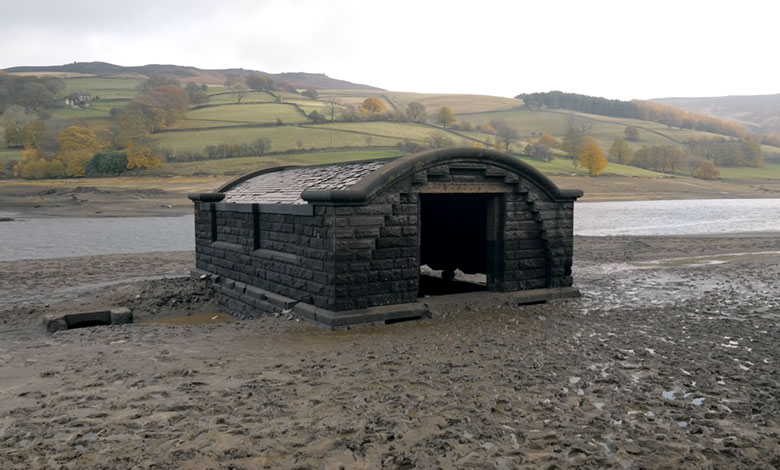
[359, 182]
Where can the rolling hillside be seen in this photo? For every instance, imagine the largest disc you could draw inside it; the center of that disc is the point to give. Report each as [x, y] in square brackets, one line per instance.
[759, 113]
[188, 74]
[281, 119]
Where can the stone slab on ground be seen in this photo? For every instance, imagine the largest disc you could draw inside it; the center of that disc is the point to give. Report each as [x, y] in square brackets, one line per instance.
[68, 320]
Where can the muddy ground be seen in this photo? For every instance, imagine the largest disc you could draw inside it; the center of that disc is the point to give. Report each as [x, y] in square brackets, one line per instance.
[668, 360]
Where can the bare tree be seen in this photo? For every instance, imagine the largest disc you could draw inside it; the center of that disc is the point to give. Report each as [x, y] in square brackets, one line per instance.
[416, 112]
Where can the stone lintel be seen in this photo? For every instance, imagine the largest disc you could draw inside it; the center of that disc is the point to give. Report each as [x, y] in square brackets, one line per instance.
[481, 187]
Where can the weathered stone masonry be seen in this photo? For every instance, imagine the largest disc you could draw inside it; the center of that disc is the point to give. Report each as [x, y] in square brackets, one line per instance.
[341, 243]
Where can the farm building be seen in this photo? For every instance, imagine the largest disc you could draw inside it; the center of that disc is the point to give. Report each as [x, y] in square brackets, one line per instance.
[344, 243]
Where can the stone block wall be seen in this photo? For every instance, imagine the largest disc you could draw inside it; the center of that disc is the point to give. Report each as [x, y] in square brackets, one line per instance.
[288, 254]
[538, 242]
[377, 252]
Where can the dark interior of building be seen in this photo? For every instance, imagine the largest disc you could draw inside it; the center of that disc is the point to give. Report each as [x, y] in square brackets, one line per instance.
[453, 235]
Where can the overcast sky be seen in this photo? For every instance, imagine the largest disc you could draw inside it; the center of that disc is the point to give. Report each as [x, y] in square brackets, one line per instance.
[616, 49]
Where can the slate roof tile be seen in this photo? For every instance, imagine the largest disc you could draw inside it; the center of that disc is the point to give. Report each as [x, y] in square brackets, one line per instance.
[285, 186]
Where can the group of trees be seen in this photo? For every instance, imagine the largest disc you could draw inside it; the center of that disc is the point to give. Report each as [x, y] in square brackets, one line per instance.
[579, 103]
[148, 112]
[241, 85]
[31, 93]
[543, 148]
[77, 146]
[701, 157]
[660, 158]
[52, 149]
[723, 152]
[258, 148]
[196, 93]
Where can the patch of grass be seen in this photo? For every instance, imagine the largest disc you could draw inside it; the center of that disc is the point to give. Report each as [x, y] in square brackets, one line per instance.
[96, 110]
[396, 130]
[563, 166]
[531, 124]
[222, 96]
[8, 155]
[768, 171]
[282, 138]
[240, 114]
[460, 104]
[240, 166]
[105, 88]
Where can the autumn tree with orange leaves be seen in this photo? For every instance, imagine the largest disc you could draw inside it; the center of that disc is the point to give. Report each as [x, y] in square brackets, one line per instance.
[372, 107]
[592, 157]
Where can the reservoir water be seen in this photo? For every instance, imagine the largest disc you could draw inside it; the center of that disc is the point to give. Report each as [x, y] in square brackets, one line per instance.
[58, 238]
[63, 237]
[678, 217]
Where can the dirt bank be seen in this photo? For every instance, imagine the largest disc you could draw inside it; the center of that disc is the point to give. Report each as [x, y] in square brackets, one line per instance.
[669, 360]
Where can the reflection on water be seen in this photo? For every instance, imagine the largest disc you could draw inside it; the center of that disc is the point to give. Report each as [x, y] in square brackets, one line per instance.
[58, 238]
[681, 217]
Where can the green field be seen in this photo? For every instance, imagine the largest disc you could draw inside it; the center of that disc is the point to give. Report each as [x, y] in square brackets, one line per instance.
[236, 114]
[240, 166]
[432, 101]
[564, 166]
[768, 171]
[220, 96]
[7, 155]
[105, 88]
[97, 110]
[530, 124]
[395, 130]
[282, 138]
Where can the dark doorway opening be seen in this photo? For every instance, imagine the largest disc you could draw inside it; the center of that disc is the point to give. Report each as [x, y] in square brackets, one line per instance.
[453, 243]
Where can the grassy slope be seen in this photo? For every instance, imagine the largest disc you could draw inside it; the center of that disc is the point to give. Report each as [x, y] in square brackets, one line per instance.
[239, 166]
[237, 114]
[458, 103]
[768, 171]
[220, 96]
[282, 138]
[7, 155]
[530, 124]
[261, 108]
[105, 88]
[564, 166]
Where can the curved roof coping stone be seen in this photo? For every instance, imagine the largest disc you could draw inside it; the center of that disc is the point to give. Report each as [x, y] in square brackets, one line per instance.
[374, 183]
[206, 197]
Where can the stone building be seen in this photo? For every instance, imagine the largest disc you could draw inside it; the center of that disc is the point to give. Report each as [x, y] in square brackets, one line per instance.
[344, 243]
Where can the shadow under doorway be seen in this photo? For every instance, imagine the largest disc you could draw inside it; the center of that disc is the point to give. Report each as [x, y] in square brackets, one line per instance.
[453, 243]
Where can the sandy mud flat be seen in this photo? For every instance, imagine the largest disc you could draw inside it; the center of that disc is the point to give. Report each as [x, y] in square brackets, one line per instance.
[669, 360]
